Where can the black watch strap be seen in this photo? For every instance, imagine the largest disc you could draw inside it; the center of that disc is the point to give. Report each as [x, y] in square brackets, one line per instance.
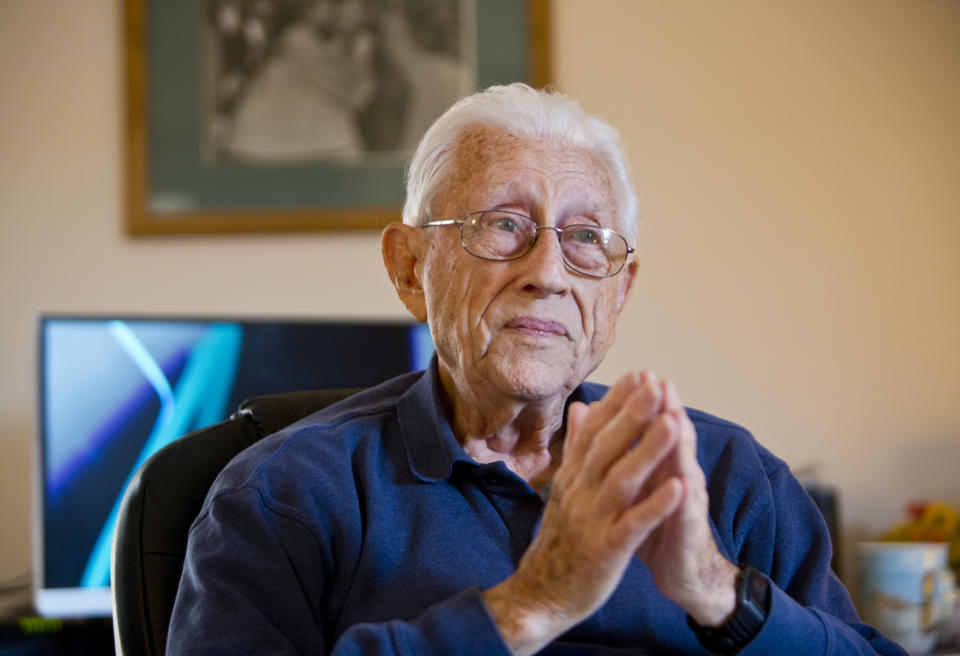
[753, 604]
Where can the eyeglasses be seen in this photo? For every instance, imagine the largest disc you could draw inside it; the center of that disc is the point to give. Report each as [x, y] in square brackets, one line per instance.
[503, 235]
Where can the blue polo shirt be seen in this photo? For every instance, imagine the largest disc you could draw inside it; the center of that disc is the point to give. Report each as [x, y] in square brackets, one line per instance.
[366, 529]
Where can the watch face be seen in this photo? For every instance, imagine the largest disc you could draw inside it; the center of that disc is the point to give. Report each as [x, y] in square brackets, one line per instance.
[752, 603]
[757, 591]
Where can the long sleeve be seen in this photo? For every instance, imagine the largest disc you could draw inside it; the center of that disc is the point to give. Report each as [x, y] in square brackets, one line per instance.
[795, 629]
[811, 611]
[252, 584]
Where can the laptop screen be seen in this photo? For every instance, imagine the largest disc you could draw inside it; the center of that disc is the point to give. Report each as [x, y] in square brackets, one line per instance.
[112, 391]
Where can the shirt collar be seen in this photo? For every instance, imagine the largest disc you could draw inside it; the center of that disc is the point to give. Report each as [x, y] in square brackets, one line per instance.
[432, 448]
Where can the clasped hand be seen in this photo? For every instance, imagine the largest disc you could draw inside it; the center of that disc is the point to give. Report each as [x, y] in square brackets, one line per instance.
[629, 484]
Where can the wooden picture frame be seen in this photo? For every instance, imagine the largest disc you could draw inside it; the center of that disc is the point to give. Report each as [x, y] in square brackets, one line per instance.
[171, 189]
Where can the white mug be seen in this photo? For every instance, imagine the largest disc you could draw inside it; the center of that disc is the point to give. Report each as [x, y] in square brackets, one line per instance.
[905, 591]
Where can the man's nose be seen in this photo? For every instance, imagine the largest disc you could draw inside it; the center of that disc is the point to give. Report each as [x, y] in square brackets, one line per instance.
[545, 266]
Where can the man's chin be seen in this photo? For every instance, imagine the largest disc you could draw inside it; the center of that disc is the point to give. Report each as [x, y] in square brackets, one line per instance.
[535, 379]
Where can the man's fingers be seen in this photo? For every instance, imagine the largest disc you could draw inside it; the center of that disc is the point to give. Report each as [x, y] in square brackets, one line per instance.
[685, 459]
[671, 399]
[600, 412]
[622, 430]
[636, 525]
[681, 464]
[576, 436]
[628, 476]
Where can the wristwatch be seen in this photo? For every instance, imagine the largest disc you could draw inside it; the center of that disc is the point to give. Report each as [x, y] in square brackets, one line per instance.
[753, 604]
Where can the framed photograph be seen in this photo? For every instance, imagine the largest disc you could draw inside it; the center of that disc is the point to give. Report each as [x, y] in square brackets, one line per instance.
[255, 115]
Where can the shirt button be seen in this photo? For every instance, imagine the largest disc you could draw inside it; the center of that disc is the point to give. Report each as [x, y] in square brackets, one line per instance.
[492, 479]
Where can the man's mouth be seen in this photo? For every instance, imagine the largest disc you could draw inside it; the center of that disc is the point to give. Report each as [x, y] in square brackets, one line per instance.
[537, 327]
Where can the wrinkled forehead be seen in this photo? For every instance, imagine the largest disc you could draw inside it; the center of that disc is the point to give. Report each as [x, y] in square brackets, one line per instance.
[485, 160]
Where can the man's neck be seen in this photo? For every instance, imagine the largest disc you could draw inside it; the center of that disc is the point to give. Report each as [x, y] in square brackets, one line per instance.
[526, 435]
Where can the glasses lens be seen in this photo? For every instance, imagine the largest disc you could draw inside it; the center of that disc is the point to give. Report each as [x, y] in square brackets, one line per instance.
[498, 235]
[592, 250]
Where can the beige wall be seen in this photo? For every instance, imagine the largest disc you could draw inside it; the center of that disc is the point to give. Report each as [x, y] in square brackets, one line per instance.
[798, 165]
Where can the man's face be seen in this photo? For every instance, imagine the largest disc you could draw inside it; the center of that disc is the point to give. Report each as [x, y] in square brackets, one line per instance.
[529, 328]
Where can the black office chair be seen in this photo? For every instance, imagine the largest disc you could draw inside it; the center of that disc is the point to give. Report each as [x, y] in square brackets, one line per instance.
[163, 499]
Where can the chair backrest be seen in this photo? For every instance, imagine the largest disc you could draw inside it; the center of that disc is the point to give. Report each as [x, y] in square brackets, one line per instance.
[163, 499]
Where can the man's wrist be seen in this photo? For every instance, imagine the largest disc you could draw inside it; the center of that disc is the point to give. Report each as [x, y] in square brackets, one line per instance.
[716, 601]
[752, 608]
[523, 629]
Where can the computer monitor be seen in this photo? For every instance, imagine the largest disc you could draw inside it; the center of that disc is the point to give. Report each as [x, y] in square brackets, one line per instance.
[113, 390]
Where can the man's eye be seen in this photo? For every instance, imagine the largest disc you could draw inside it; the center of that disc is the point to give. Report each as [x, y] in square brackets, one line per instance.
[584, 235]
[504, 223]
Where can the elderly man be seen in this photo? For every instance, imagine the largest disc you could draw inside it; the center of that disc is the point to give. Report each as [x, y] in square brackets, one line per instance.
[496, 503]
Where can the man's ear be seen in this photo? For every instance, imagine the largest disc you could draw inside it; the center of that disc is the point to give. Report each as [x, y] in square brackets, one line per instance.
[402, 248]
[625, 282]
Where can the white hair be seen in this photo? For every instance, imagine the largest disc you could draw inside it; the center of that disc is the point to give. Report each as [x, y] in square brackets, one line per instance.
[523, 112]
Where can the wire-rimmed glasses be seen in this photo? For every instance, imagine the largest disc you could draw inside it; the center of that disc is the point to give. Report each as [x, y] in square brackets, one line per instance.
[503, 235]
